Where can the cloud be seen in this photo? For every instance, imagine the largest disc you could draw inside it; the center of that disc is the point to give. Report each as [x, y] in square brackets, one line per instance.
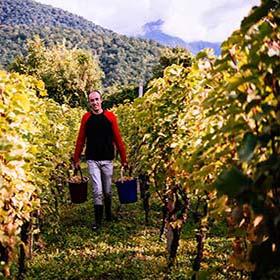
[211, 20]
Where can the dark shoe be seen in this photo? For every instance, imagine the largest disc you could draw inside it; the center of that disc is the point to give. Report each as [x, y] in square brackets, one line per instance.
[98, 213]
[95, 227]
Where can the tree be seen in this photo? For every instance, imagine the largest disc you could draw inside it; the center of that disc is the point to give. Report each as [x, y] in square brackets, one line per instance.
[117, 95]
[178, 56]
[68, 74]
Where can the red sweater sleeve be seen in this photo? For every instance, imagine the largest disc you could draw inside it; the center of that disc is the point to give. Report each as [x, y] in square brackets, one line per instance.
[80, 143]
[117, 136]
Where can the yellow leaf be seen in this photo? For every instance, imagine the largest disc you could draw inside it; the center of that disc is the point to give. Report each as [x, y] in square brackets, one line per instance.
[22, 101]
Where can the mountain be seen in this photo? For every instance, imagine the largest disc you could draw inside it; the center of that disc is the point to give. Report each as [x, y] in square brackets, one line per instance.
[153, 31]
[124, 60]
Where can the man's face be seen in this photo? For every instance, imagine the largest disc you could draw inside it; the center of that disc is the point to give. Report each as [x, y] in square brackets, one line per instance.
[95, 102]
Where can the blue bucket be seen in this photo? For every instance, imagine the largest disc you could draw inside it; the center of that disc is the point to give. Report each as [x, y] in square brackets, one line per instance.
[127, 191]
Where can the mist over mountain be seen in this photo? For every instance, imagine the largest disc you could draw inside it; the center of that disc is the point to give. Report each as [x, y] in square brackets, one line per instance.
[153, 31]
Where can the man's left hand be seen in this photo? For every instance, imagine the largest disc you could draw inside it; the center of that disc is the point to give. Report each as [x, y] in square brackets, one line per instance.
[125, 166]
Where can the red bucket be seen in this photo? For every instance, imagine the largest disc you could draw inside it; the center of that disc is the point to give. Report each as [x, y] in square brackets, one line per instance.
[78, 188]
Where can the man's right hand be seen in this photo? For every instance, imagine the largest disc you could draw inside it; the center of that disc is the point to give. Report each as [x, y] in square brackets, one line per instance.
[77, 165]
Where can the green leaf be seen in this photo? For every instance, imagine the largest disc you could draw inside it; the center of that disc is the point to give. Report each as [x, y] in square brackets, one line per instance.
[202, 275]
[201, 54]
[257, 14]
[232, 182]
[246, 149]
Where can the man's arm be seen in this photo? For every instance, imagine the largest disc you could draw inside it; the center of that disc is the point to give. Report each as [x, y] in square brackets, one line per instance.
[80, 143]
[117, 137]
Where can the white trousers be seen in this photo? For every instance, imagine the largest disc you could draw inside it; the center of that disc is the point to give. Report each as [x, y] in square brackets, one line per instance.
[101, 172]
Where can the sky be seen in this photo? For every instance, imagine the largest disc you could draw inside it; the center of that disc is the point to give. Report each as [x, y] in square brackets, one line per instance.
[191, 20]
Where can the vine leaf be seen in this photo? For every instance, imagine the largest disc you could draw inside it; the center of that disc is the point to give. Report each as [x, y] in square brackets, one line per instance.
[246, 149]
[232, 182]
[257, 14]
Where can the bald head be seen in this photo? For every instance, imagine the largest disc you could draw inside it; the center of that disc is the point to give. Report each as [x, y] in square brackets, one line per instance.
[95, 101]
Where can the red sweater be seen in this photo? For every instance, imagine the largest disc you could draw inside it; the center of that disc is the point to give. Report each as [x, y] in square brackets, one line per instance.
[100, 141]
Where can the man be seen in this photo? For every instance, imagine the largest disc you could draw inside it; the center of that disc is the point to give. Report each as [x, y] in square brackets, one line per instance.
[99, 130]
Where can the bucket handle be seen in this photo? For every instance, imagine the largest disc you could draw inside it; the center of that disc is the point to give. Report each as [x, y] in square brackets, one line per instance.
[78, 169]
[123, 171]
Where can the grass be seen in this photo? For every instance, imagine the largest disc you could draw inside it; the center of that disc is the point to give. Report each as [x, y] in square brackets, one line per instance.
[123, 249]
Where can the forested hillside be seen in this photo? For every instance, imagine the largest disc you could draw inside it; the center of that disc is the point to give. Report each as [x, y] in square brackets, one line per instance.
[124, 60]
